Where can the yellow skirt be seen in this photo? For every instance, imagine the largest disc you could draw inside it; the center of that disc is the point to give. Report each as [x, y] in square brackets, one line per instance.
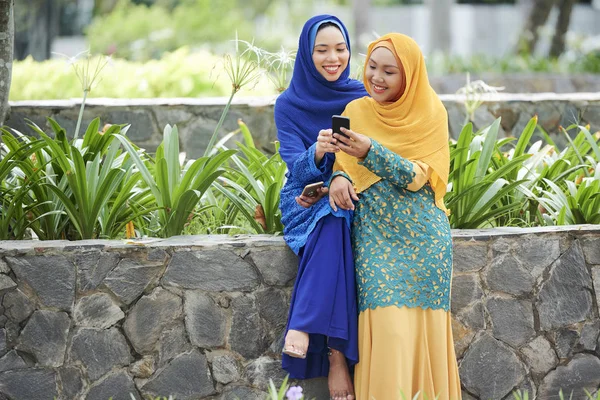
[405, 351]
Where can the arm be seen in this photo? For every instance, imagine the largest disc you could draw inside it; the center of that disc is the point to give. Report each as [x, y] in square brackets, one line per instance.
[405, 174]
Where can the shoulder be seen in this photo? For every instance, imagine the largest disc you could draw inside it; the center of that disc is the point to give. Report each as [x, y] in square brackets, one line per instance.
[356, 104]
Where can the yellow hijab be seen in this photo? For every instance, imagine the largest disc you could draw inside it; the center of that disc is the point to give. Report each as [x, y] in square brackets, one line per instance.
[415, 126]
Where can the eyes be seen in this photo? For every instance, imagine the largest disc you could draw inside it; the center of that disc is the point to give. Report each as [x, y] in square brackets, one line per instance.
[338, 50]
[387, 72]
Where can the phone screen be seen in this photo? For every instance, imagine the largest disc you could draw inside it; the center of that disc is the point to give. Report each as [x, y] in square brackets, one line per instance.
[337, 122]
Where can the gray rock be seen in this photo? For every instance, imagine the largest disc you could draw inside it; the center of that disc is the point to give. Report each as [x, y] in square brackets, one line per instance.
[17, 306]
[225, 367]
[596, 280]
[469, 256]
[316, 388]
[210, 269]
[527, 387]
[12, 361]
[143, 368]
[591, 249]
[273, 307]
[539, 356]
[473, 316]
[508, 276]
[564, 341]
[6, 284]
[3, 346]
[278, 266]
[117, 386]
[12, 331]
[489, 369]
[99, 350]
[187, 377]
[173, 342]
[29, 384]
[142, 124]
[130, 278]
[579, 374]
[232, 392]
[157, 255]
[262, 369]
[589, 335]
[565, 297]
[72, 381]
[466, 289]
[45, 336]
[536, 253]
[51, 277]
[512, 320]
[246, 324]
[92, 268]
[97, 311]
[205, 321]
[4, 267]
[149, 317]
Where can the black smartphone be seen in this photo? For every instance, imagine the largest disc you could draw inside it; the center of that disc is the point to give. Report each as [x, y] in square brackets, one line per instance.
[337, 122]
[312, 190]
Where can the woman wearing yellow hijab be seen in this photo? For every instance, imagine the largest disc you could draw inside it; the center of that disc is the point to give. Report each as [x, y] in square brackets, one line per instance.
[398, 164]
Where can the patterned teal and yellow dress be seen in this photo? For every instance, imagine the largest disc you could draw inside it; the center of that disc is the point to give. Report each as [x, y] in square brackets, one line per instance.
[403, 259]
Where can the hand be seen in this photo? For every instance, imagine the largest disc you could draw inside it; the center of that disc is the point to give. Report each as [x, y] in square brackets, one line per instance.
[326, 143]
[355, 145]
[341, 194]
[307, 202]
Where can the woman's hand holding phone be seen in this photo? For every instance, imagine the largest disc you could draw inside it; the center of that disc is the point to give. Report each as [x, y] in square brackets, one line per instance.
[311, 194]
[326, 143]
[353, 143]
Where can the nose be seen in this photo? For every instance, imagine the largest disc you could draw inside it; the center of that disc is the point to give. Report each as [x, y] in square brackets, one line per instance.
[332, 56]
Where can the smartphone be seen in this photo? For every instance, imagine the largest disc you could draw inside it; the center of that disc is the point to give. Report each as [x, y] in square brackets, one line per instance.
[312, 190]
[337, 122]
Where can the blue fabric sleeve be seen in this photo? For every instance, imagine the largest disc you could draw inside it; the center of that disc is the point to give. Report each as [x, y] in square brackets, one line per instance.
[304, 170]
[389, 165]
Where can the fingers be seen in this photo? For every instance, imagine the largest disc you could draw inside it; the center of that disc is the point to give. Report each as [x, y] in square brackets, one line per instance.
[353, 193]
[332, 203]
[302, 201]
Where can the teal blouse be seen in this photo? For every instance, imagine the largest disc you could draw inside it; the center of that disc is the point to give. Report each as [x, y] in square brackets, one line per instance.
[401, 240]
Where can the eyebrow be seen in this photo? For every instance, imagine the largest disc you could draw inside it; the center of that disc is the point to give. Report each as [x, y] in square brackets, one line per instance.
[385, 66]
[326, 45]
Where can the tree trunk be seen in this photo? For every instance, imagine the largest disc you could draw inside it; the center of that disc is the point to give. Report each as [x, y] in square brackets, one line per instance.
[439, 25]
[6, 54]
[360, 10]
[537, 15]
[562, 25]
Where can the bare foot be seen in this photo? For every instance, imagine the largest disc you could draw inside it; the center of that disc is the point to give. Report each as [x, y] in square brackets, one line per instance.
[296, 344]
[339, 381]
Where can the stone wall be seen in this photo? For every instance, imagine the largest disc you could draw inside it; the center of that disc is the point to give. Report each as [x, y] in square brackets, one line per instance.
[197, 118]
[201, 317]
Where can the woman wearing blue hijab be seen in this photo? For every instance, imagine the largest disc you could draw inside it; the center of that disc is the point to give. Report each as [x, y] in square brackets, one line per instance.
[321, 335]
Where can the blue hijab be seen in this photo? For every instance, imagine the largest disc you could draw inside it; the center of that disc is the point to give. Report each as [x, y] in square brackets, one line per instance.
[309, 102]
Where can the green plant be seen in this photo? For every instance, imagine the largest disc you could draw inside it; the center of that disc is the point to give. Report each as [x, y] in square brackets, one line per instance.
[176, 191]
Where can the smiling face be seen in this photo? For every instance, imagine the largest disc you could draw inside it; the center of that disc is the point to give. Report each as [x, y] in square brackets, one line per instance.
[330, 53]
[385, 77]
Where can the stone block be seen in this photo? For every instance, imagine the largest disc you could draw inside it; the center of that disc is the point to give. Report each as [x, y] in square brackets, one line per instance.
[469, 256]
[466, 289]
[596, 282]
[225, 367]
[473, 316]
[115, 386]
[3, 346]
[490, 369]
[45, 336]
[6, 284]
[93, 266]
[507, 275]
[235, 392]
[579, 374]
[205, 321]
[273, 307]
[539, 356]
[130, 278]
[72, 381]
[565, 298]
[99, 350]
[17, 306]
[462, 336]
[187, 377]
[278, 266]
[142, 124]
[591, 249]
[29, 384]
[210, 269]
[143, 368]
[149, 317]
[536, 253]
[4, 267]
[589, 335]
[565, 340]
[173, 342]
[512, 320]
[246, 324]
[262, 369]
[12, 361]
[97, 311]
[51, 277]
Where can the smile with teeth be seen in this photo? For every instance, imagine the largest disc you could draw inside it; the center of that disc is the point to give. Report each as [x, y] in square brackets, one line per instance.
[332, 69]
[377, 88]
